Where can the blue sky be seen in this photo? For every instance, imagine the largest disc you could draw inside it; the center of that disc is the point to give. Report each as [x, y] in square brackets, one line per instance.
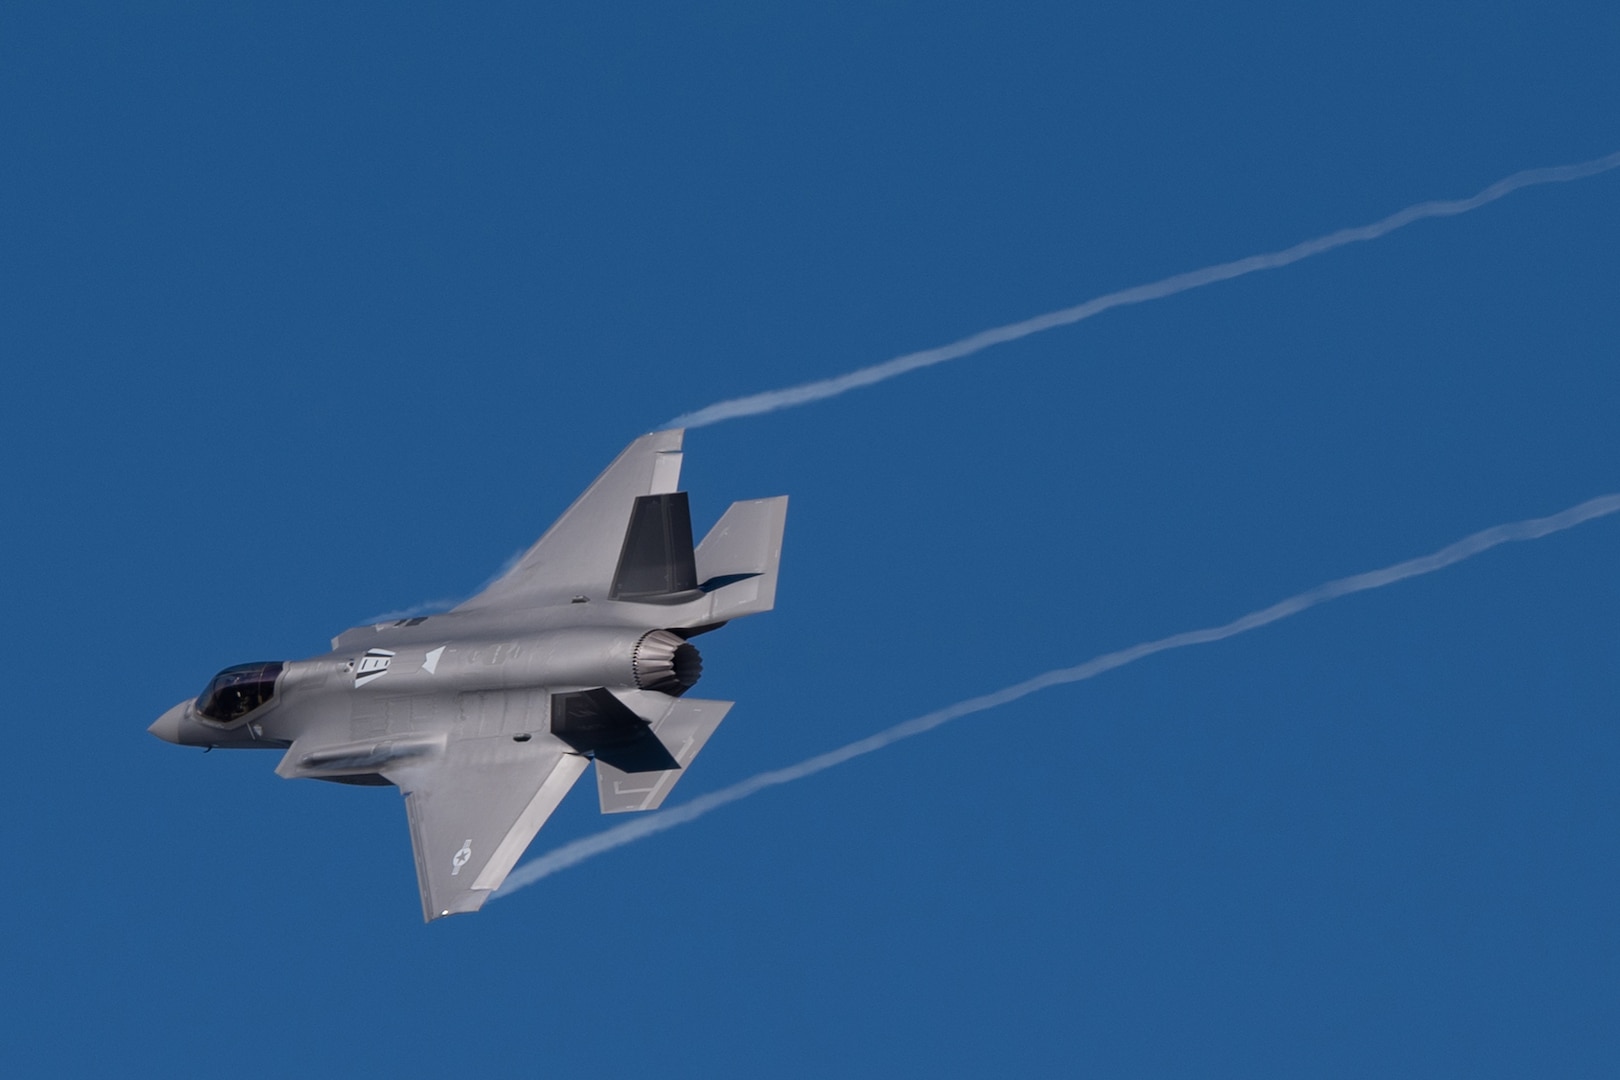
[313, 313]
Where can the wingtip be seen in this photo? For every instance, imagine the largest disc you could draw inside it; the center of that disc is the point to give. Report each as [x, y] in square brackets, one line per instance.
[464, 904]
[669, 438]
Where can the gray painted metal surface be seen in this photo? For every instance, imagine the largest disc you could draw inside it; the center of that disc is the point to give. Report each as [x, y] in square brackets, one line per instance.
[485, 716]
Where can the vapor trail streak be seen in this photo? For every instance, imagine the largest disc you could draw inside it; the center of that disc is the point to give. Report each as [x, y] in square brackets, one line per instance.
[772, 400]
[579, 850]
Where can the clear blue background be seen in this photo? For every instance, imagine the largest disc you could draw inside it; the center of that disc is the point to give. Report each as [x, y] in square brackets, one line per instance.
[315, 311]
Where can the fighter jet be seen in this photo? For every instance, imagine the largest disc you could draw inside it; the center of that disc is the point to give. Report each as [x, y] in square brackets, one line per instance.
[485, 716]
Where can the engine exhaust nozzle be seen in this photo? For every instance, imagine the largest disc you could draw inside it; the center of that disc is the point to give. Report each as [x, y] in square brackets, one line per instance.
[666, 662]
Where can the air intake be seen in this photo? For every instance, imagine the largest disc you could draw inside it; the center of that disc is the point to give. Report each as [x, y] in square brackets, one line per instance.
[665, 662]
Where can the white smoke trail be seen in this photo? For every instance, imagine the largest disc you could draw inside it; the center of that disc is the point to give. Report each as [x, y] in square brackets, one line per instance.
[578, 851]
[772, 400]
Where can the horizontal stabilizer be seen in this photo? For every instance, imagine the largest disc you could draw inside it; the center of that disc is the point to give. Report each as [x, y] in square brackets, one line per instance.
[597, 723]
[682, 731]
[738, 561]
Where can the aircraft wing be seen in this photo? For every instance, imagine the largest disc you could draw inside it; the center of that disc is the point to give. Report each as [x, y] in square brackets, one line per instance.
[473, 809]
[579, 555]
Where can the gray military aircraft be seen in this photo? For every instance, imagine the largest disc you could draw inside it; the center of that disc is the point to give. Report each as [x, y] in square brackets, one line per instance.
[484, 716]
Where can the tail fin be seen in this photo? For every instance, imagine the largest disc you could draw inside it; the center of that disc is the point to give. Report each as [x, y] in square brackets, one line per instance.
[737, 562]
[656, 563]
[682, 731]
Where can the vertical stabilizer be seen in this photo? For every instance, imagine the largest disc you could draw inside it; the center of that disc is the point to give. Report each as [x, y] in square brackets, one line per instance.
[656, 562]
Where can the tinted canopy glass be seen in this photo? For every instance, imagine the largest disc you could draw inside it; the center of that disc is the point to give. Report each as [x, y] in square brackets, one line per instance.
[237, 691]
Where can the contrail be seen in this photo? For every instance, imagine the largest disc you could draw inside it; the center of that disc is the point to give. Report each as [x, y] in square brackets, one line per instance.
[804, 394]
[579, 850]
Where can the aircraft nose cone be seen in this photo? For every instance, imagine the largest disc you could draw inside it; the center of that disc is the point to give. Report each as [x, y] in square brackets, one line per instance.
[167, 726]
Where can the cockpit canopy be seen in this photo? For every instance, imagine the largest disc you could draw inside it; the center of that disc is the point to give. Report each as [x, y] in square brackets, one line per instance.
[237, 691]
